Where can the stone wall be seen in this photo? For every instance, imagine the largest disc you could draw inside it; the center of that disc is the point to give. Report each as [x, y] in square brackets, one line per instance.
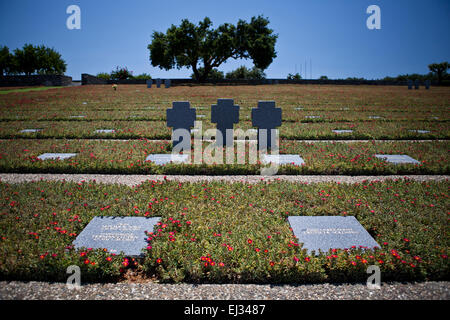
[35, 80]
[89, 79]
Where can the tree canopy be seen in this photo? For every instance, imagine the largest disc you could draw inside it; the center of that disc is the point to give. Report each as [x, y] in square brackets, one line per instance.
[440, 69]
[204, 48]
[31, 60]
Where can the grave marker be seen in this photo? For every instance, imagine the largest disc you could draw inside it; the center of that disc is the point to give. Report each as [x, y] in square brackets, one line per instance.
[167, 83]
[410, 84]
[117, 234]
[266, 116]
[30, 130]
[54, 156]
[330, 232]
[149, 83]
[427, 84]
[181, 116]
[281, 159]
[158, 83]
[397, 158]
[416, 84]
[162, 159]
[225, 114]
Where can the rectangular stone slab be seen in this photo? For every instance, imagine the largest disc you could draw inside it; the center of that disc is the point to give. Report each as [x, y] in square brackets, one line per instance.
[312, 117]
[30, 130]
[105, 131]
[342, 131]
[117, 234]
[61, 156]
[282, 159]
[397, 158]
[330, 232]
[420, 131]
[161, 159]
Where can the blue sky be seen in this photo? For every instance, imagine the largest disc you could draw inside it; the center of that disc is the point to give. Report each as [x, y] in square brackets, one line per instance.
[331, 33]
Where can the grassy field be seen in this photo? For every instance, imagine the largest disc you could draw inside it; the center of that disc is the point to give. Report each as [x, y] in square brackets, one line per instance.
[220, 232]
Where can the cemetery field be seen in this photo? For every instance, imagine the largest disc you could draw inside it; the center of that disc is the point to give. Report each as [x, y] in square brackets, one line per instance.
[221, 232]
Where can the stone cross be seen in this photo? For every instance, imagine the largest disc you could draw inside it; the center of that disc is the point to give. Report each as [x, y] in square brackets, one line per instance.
[267, 117]
[181, 116]
[225, 113]
[410, 84]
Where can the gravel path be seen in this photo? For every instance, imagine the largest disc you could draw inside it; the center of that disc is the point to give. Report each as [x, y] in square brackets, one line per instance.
[153, 291]
[132, 180]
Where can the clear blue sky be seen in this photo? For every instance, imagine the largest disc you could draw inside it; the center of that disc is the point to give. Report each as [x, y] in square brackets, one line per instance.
[414, 33]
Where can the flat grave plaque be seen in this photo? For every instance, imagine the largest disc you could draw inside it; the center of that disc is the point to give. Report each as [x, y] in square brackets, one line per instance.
[161, 159]
[30, 130]
[342, 131]
[117, 234]
[105, 131]
[330, 232]
[282, 159]
[397, 158]
[420, 131]
[54, 156]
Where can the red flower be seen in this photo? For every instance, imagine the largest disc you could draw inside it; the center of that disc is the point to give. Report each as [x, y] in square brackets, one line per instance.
[250, 241]
[307, 259]
[158, 261]
[108, 259]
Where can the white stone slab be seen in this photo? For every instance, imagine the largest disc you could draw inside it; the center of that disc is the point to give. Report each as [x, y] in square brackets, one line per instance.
[375, 117]
[312, 117]
[30, 130]
[161, 159]
[330, 232]
[78, 116]
[282, 159]
[105, 131]
[397, 158]
[342, 131]
[420, 131]
[54, 156]
[201, 116]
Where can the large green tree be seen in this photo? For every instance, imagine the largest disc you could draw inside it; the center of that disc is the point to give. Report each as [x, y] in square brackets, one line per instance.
[38, 59]
[203, 48]
[440, 69]
[6, 60]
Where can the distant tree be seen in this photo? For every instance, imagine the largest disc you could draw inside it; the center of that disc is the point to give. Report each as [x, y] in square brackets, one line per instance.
[323, 78]
[440, 69]
[203, 47]
[214, 74]
[103, 75]
[121, 74]
[143, 76]
[296, 76]
[244, 73]
[40, 59]
[6, 61]
[26, 59]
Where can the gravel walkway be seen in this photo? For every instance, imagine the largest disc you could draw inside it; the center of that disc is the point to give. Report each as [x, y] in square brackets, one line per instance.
[131, 180]
[153, 291]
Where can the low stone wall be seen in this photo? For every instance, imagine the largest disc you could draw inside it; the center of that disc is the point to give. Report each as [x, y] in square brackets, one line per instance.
[35, 80]
[89, 79]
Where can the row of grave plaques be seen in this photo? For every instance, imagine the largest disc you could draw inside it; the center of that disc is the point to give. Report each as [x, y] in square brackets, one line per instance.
[127, 235]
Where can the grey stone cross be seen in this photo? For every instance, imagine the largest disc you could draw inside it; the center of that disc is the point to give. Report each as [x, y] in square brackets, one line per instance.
[225, 113]
[181, 116]
[267, 117]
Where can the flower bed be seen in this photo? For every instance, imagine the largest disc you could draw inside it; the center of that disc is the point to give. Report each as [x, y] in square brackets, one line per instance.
[220, 232]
